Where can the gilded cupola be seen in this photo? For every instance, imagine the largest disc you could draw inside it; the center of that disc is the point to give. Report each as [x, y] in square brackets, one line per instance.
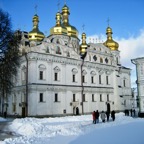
[83, 46]
[110, 42]
[58, 28]
[72, 31]
[35, 34]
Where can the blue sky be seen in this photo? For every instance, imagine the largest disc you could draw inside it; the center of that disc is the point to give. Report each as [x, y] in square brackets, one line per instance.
[126, 16]
[126, 20]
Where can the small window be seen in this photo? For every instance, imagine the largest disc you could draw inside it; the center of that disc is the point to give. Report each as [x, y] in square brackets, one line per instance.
[124, 83]
[92, 79]
[73, 77]
[101, 60]
[99, 79]
[101, 97]
[89, 58]
[68, 54]
[117, 60]
[41, 97]
[58, 42]
[92, 97]
[107, 80]
[41, 75]
[84, 99]
[94, 57]
[83, 79]
[26, 43]
[58, 50]
[47, 50]
[125, 102]
[74, 97]
[56, 97]
[107, 97]
[106, 60]
[14, 107]
[56, 76]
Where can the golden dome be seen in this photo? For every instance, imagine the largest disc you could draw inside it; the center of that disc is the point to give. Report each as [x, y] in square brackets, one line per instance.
[58, 29]
[72, 31]
[83, 46]
[65, 9]
[110, 42]
[35, 34]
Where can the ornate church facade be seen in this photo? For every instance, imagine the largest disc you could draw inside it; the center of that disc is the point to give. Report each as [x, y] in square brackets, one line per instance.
[59, 76]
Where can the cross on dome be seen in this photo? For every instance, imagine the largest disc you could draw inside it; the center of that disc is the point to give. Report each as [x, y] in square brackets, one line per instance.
[36, 9]
[108, 20]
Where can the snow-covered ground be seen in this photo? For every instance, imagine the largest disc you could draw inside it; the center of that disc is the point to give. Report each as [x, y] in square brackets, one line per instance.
[77, 130]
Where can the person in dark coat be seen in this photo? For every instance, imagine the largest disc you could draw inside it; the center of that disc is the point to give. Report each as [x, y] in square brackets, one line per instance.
[134, 112]
[131, 111]
[94, 117]
[97, 116]
[5, 114]
[113, 115]
[107, 114]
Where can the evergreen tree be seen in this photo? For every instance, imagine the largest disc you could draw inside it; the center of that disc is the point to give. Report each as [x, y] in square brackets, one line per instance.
[9, 57]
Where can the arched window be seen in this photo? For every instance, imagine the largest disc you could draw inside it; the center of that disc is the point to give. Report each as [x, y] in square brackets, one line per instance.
[58, 42]
[117, 60]
[89, 57]
[42, 72]
[93, 76]
[84, 76]
[56, 73]
[74, 75]
[101, 60]
[68, 54]
[47, 50]
[124, 82]
[106, 60]
[58, 50]
[94, 57]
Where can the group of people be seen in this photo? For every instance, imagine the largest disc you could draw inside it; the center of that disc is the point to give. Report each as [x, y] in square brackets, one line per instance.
[103, 115]
[130, 112]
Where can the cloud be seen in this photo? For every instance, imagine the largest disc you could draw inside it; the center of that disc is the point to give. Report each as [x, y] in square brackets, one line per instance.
[131, 48]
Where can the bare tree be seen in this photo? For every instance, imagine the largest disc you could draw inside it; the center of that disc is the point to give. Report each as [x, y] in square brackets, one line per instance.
[9, 57]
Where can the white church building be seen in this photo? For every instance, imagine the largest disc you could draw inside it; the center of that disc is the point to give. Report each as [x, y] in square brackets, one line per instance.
[59, 76]
[139, 63]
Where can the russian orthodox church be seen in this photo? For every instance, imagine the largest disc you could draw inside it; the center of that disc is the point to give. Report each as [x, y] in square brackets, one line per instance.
[59, 76]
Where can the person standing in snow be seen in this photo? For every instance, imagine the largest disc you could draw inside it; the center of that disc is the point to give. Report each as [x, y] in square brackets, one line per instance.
[131, 111]
[134, 112]
[97, 116]
[5, 114]
[103, 116]
[107, 114]
[113, 115]
[94, 117]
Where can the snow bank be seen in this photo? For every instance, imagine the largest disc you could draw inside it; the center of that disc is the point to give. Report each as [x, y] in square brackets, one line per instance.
[71, 129]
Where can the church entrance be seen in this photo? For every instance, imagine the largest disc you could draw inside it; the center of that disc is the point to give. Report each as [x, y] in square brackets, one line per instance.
[23, 112]
[108, 108]
[76, 111]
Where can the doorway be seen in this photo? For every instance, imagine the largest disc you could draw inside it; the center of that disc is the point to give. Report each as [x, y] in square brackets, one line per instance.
[23, 112]
[108, 108]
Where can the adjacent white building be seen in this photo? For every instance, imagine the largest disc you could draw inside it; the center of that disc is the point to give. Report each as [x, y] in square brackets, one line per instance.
[53, 80]
[139, 62]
